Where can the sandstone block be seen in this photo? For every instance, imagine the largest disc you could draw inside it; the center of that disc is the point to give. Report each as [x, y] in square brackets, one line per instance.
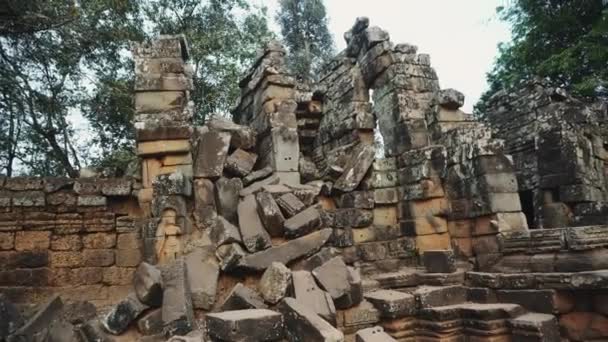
[211, 156]
[177, 313]
[270, 214]
[128, 257]
[432, 242]
[28, 240]
[172, 184]
[392, 304]
[307, 293]
[304, 324]
[333, 276]
[203, 272]
[123, 314]
[240, 163]
[251, 325]
[163, 147]
[451, 98]
[204, 202]
[356, 199]
[99, 240]
[229, 255]
[223, 232]
[286, 252]
[373, 334]
[242, 298]
[303, 223]
[257, 175]
[439, 261]
[148, 284]
[290, 204]
[356, 168]
[151, 323]
[275, 282]
[227, 197]
[254, 235]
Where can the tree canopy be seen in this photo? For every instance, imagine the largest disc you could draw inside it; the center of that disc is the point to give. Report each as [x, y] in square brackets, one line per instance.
[66, 80]
[564, 41]
[306, 35]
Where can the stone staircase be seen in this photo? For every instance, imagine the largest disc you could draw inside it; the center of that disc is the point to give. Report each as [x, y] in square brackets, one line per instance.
[412, 307]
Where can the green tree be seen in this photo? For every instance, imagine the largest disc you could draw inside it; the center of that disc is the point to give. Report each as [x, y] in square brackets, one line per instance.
[304, 27]
[66, 81]
[561, 40]
[48, 74]
[223, 36]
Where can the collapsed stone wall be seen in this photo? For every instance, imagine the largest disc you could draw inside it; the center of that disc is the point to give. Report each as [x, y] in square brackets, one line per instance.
[74, 237]
[286, 225]
[558, 146]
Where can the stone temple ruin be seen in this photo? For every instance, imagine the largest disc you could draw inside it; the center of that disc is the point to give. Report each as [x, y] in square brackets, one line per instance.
[286, 225]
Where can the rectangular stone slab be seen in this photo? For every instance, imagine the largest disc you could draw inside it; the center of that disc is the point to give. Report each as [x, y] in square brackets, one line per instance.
[303, 324]
[252, 325]
[211, 156]
[286, 252]
[308, 293]
[254, 235]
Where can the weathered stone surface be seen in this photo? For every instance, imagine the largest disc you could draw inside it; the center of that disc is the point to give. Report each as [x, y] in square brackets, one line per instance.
[354, 218]
[252, 325]
[177, 310]
[117, 321]
[45, 314]
[257, 175]
[229, 255]
[204, 202]
[211, 156]
[240, 163]
[162, 147]
[356, 168]
[10, 317]
[303, 324]
[254, 235]
[451, 98]
[431, 296]
[148, 284]
[243, 137]
[307, 293]
[275, 282]
[227, 197]
[535, 327]
[203, 272]
[333, 277]
[373, 334]
[270, 214]
[303, 223]
[290, 204]
[392, 304]
[223, 232]
[259, 185]
[151, 323]
[439, 261]
[356, 199]
[242, 297]
[286, 252]
[172, 184]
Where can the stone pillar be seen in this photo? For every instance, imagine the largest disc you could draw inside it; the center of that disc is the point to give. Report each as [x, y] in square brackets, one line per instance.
[268, 105]
[163, 119]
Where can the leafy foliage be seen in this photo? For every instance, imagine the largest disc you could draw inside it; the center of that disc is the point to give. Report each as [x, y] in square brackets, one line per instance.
[306, 35]
[223, 36]
[66, 80]
[563, 41]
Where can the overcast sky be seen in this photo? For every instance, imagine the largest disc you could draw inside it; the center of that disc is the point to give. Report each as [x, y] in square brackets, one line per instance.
[460, 35]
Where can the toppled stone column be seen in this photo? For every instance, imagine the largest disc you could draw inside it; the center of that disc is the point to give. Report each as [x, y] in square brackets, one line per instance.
[163, 115]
